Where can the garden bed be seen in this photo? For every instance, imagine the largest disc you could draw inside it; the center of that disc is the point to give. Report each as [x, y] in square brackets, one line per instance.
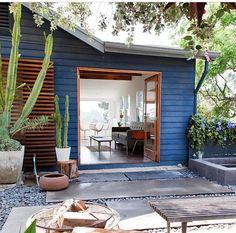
[213, 150]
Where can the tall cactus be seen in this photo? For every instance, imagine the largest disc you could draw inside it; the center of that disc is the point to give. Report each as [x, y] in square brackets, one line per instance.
[57, 119]
[66, 122]
[7, 130]
[37, 86]
[12, 67]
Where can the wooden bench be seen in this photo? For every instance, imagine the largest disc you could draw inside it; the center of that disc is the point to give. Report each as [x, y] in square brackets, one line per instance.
[186, 210]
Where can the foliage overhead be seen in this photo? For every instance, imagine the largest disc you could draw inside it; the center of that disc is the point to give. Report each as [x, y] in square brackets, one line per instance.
[153, 16]
[218, 94]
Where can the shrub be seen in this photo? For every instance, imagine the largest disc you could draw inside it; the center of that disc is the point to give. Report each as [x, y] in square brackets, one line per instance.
[217, 130]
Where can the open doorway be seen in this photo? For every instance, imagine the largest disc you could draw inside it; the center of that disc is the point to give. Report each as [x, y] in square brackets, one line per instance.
[113, 100]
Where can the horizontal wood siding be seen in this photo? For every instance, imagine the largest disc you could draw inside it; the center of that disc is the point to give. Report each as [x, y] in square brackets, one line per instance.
[70, 53]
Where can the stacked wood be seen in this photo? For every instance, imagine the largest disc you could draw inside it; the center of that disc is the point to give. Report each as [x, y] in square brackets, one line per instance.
[99, 230]
[73, 213]
[68, 168]
[74, 219]
[65, 207]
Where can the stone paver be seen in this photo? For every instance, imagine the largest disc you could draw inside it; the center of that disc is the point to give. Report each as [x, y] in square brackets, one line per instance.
[138, 188]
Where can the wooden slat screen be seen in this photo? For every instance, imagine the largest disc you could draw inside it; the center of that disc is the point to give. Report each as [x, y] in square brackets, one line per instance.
[4, 15]
[40, 142]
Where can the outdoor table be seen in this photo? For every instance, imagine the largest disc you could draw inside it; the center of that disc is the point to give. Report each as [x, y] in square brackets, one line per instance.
[186, 210]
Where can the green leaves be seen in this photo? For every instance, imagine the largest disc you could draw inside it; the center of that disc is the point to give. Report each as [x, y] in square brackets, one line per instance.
[198, 47]
[188, 38]
[220, 13]
[31, 228]
[202, 131]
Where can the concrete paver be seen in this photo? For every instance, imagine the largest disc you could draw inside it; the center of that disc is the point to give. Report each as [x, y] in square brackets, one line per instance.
[152, 175]
[102, 177]
[137, 188]
[16, 221]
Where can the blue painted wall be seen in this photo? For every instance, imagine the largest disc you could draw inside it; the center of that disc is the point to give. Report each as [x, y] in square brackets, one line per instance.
[69, 53]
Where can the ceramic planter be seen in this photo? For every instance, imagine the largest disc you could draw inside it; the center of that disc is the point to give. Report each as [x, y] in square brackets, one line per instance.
[63, 154]
[11, 163]
[52, 182]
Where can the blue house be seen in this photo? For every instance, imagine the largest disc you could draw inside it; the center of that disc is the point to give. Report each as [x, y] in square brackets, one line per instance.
[75, 57]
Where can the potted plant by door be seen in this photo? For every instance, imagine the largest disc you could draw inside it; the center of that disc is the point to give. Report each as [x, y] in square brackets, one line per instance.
[11, 151]
[62, 149]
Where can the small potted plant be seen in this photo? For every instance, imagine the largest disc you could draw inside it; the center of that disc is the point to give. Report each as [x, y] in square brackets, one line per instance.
[120, 123]
[62, 149]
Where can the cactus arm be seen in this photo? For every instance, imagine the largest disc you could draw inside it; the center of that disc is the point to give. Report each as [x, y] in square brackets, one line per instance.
[36, 88]
[57, 119]
[66, 122]
[12, 66]
[1, 82]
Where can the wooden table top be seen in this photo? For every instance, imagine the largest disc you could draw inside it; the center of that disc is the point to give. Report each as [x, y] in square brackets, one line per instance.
[194, 209]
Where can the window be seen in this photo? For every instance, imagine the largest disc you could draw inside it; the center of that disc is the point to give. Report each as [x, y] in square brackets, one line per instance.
[127, 110]
[139, 106]
[94, 112]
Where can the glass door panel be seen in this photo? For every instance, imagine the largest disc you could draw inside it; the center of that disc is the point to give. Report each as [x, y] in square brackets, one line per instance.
[152, 118]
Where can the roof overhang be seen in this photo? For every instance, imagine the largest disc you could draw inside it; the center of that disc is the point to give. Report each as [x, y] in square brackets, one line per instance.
[114, 47]
[160, 51]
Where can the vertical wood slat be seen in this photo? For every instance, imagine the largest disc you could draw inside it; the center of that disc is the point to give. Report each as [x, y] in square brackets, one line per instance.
[40, 142]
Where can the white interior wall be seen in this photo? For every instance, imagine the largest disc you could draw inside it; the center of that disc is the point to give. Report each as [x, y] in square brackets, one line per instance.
[112, 91]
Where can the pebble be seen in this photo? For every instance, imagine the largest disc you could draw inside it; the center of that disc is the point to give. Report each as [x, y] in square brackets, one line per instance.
[23, 195]
[19, 196]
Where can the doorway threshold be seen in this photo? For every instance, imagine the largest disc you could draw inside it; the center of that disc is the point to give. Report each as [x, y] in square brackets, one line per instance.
[132, 169]
[127, 167]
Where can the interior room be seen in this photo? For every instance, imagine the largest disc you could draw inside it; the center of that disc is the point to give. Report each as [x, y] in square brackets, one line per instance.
[106, 102]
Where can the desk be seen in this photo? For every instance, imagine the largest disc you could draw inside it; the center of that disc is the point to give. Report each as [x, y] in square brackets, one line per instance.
[100, 139]
[185, 210]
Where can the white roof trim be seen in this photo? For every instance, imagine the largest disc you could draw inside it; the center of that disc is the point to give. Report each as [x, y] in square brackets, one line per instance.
[160, 51]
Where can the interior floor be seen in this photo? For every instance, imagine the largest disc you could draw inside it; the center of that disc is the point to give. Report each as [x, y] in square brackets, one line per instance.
[118, 155]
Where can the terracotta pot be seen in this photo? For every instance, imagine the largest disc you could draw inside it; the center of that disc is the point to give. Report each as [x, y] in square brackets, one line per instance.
[11, 163]
[53, 182]
[63, 154]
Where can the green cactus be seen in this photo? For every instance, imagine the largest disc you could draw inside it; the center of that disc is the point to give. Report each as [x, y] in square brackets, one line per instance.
[8, 129]
[57, 119]
[36, 88]
[58, 122]
[66, 122]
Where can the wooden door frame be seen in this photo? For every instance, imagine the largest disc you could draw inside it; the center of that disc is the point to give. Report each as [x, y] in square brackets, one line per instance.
[84, 68]
[158, 78]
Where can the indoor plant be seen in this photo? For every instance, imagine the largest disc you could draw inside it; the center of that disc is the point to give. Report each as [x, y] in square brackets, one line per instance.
[11, 151]
[62, 149]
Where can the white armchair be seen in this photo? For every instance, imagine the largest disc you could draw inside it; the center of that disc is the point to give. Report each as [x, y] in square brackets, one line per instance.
[93, 126]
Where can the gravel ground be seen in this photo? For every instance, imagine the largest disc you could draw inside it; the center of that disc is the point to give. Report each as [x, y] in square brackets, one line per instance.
[23, 195]
[19, 196]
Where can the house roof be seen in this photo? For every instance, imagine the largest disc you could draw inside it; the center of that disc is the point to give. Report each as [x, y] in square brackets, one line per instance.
[114, 47]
